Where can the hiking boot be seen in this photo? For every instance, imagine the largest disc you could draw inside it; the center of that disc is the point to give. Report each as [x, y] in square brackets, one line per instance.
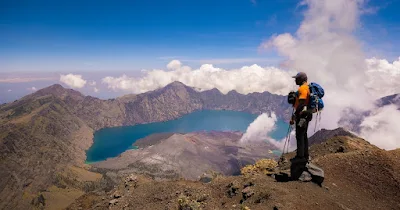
[305, 177]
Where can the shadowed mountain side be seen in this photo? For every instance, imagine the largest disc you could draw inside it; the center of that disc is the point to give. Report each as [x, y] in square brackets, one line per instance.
[177, 99]
[190, 155]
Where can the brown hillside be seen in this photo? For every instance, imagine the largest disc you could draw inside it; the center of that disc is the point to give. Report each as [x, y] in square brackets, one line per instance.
[357, 176]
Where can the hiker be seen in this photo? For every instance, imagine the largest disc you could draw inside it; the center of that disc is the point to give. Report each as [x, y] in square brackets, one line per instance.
[306, 101]
[301, 116]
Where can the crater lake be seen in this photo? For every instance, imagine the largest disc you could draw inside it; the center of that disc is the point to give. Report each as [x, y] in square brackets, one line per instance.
[110, 142]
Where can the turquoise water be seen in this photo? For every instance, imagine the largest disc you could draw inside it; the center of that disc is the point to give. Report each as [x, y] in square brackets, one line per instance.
[110, 142]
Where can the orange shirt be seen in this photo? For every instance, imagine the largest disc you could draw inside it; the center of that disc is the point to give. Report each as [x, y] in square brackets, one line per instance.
[302, 93]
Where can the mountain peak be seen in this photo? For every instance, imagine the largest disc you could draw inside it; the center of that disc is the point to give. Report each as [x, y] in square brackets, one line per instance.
[176, 84]
[232, 92]
[58, 90]
[324, 134]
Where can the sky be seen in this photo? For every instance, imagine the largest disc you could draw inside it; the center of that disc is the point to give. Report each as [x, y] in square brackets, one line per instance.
[132, 35]
[110, 48]
[42, 40]
[92, 36]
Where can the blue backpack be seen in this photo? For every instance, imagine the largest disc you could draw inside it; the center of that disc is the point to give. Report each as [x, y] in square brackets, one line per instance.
[316, 93]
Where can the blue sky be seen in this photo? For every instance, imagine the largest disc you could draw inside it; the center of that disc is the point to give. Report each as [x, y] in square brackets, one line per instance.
[138, 34]
[106, 37]
[124, 35]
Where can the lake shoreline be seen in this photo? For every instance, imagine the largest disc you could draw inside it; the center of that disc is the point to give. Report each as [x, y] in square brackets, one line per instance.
[111, 142]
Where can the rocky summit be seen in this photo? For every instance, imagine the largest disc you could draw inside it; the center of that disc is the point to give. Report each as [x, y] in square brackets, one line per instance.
[44, 135]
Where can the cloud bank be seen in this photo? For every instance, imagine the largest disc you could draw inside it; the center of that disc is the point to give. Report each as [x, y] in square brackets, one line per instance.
[382, 127]
[245, 80]
[381, 78]
[73, 80]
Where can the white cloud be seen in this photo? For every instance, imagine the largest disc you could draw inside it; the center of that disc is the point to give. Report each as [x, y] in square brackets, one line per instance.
[73, 80]
[383, 77]
[260, 129]
[32, 89]
[9, 90]
[174, 64]
[244, 80]
[381, 128]
[325, 48]
[95, 90]
[92, 83]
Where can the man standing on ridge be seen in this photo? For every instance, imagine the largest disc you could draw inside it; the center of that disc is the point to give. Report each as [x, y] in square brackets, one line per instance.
[302, 116]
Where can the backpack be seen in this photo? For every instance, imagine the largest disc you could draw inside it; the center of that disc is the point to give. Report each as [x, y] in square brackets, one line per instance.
[292, 97]
[316, 93]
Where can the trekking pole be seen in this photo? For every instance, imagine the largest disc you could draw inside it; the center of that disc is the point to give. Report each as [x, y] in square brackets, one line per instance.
[286, 145]
[316, 119]
[287, 138]
[288, 141]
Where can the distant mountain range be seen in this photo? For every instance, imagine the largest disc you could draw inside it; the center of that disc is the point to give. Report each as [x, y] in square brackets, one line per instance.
[44, 135]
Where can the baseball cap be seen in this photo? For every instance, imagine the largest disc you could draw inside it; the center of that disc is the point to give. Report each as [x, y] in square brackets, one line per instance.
[300, 75]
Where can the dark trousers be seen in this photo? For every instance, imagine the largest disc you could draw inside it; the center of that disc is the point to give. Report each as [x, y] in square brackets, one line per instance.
[302, 140]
